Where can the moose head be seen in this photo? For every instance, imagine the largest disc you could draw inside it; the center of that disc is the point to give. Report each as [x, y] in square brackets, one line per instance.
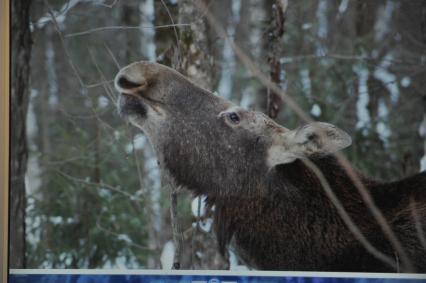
[207, 143]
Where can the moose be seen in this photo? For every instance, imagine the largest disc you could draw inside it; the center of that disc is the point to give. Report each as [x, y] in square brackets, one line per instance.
[269, 205]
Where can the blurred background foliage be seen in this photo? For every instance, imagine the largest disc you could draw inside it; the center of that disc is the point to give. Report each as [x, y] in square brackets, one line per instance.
[93, 189]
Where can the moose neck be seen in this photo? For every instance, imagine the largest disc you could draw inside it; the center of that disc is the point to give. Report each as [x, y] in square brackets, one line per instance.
[300, 176]
[292, 187]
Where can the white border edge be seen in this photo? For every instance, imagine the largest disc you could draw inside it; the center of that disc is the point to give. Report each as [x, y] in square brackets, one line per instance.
[215, 273]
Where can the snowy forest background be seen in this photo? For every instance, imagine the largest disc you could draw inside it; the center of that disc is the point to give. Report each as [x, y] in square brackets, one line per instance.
[86, 190]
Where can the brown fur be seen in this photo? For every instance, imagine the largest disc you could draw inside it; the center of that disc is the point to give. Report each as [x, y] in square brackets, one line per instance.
[276, 218]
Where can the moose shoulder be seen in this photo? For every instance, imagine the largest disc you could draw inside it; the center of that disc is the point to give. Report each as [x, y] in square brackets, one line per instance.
[268, 204]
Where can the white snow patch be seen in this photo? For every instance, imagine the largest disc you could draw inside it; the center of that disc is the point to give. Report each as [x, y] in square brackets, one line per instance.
[104, 192]
[117, 134]
[233, 262]
[120, 262]
[236, 7]
[343, 6]
[52, 78]
[32, 176]
[206, 225]
[306, 26]
[384, 17]
[33, 227]
[306, 82]
[248, 98]
[125, 238]
[167, 255]
[146, 8]
[228, 66]
[103, 102]
[194, 206]
[384, 132]
[405, 81]
[389, 80]
[423, 163]
[422, 127]
[32, 128]
[382, 128]
[363, 116]
[53, 100]
[316, 110]
[129, 148]
[322, 19]
[56, 220]
[139, 141]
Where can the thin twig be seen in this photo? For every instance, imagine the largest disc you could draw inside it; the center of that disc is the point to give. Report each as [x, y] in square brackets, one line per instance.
[58, 30]
[109, 28]
[114, 2]
[118, 236]
[110, 93]
[99, 185]
[67, 54]
[174, 29]
[100, 84]
[112, 56]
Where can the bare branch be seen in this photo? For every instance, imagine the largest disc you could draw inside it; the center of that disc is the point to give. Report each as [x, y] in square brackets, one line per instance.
[118, 236]
[174, 29]
[110, 28]
[55, 23]
[112, 56]
[99, 185]
[108, 90]
[114, 2]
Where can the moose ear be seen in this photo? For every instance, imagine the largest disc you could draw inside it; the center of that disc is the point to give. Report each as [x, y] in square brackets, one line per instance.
[312, 140]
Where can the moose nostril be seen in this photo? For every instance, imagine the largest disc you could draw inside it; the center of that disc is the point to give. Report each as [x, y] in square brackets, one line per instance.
[124, 83]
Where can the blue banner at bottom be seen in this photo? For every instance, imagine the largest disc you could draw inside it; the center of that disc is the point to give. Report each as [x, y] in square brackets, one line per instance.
[90, 278]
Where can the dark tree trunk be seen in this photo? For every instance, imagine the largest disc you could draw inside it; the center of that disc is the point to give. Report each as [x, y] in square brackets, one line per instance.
[275, 34]
[21, 51]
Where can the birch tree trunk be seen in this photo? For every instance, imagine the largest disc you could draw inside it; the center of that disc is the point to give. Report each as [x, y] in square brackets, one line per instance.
[21, 52]
[194, 51]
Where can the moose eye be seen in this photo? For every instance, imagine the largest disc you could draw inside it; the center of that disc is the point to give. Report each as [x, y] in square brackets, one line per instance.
[233, 117]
